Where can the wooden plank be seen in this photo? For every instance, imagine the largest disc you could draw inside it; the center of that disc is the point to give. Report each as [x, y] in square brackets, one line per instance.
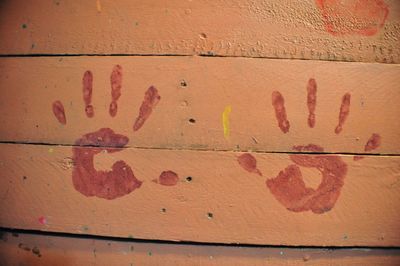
[195, 93]
[329, 30]
[31, 249]
[225, 200]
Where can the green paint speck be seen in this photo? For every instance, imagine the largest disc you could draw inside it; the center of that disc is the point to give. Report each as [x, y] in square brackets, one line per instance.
[85, 228]
[24, 26]
[150, 253]
[136, 23]
[345, 237]
[130, 236]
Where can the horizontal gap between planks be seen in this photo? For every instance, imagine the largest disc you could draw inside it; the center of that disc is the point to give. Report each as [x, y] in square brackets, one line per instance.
[199, 150]
[188, 243]
[186, 55]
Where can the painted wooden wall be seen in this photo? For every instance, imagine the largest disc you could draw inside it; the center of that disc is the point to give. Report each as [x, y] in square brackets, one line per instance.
[223, 124]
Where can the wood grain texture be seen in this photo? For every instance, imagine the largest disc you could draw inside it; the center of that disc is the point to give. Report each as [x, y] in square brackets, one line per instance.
[195, 91]
[16, 249]
[251, 28]
[221, 202]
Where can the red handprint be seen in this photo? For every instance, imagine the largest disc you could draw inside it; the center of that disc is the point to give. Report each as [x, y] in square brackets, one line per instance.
[120, 180]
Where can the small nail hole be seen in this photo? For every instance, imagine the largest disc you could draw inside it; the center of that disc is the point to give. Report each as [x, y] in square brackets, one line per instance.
[210, 215]
[183, 83]
[163, 210]
[192, 121]
[203, 36]
[189, 179]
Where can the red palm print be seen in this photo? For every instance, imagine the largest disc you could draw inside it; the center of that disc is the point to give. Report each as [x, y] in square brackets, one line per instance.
[288, 187]
[362, 17]
[120, 180]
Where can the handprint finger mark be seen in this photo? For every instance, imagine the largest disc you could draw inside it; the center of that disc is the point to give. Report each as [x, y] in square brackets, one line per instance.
[87, 89]
[344, 112]
[116, 85]
[151, 99]
[280, 112]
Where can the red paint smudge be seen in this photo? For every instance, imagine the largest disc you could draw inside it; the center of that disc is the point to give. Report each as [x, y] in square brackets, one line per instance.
[116, 85]
[290, 190]
[363, 17]
[59, 113]
[373, 143]
[358, 157]
[280, 112]
[248, 163]
[309, 148]
[151, 98]
[344, 112]
[42, 220]
[87, 88]
[311, 101]
[87, 180]
[167, 178]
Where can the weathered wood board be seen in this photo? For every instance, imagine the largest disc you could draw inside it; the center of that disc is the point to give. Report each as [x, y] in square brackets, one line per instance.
[206, 103]
[325, 30]
[31, 249]
[223, 200]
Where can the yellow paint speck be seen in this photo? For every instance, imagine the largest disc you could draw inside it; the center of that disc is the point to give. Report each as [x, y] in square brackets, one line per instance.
[51, 150]
[225, 120]
[98, 5]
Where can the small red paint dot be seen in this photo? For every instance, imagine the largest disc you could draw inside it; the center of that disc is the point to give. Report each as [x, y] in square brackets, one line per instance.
[42, 220]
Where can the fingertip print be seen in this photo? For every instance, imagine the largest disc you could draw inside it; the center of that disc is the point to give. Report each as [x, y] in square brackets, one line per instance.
[311, 101]
[59, 112]
[168, 178]
[249, 163]
[116, 86]
[151, 99]
[87, 90]
[344, 112]
[278, 102]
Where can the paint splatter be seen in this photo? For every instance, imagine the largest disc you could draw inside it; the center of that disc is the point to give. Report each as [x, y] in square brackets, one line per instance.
[167, 178]
[151, 99]
[59, 112]
[373, 143]
[87, 88]
[42, 220]
[116, 85]
[280, 112]
[290, 190]
[362, 17]
[225, 120]
[311, 101]
[109, 185]
[248, 163]
[344, 112]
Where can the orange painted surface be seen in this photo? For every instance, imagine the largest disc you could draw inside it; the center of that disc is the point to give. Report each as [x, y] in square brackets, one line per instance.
[103, 134]
[354, 30]
[28, 249]
[214, 200]
[190, 115]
